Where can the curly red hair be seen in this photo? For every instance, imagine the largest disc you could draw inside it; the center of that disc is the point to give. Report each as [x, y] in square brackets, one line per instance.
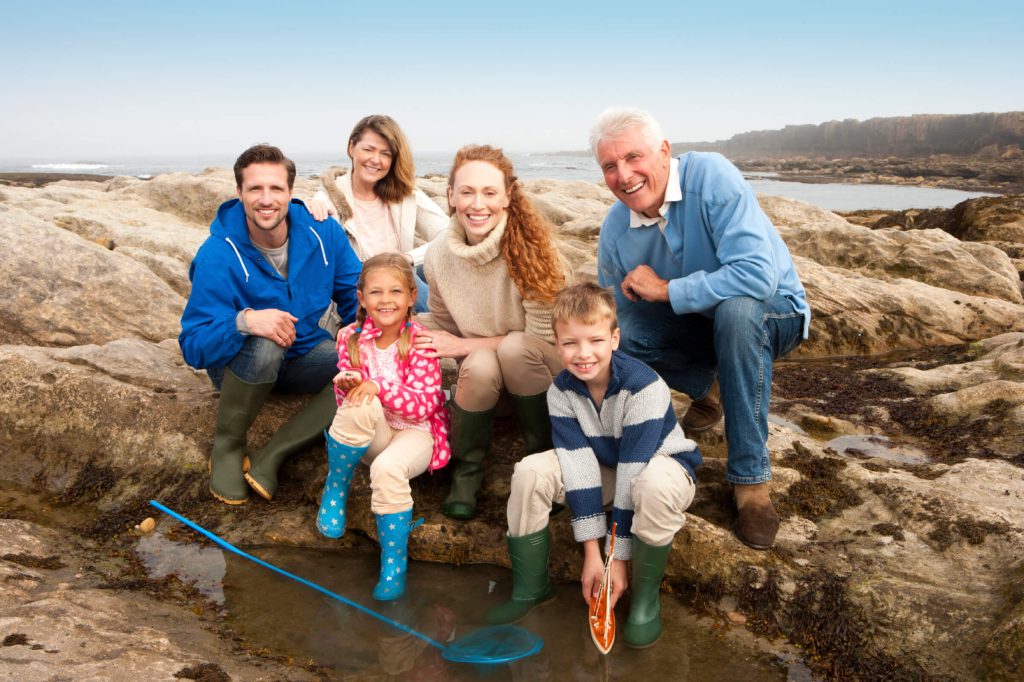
[527, 246]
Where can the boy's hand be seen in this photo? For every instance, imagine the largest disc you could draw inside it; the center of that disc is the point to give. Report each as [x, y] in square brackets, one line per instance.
[593, 572]
[362, 394]
[620, 581]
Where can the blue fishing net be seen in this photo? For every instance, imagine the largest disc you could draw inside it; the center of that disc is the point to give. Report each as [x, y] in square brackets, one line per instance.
[493, 645]
[486, 646]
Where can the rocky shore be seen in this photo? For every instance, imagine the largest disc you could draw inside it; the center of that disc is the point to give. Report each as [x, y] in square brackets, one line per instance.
[887, 566]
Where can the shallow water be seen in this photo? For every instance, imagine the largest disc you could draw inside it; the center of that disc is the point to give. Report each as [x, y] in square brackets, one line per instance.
[443, 602]
[882, 447]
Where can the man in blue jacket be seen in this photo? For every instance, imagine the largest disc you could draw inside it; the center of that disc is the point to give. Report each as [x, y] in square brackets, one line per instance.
[704, 286]
[270, 288]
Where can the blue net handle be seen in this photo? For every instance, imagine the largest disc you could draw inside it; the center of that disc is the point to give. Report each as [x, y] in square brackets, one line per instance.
[492, 645]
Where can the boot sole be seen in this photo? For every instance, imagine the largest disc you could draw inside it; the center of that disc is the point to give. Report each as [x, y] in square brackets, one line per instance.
[226, 500]
[254, 484]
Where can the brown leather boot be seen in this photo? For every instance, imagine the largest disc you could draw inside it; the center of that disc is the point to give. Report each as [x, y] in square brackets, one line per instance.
[756, 523]
[704, 413]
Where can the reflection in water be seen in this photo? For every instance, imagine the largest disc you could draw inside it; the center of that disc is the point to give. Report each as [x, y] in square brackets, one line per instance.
[442, 602]
[882, 447]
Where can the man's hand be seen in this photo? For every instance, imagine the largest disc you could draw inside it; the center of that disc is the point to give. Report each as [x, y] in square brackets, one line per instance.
[320, 210]
[273, 324]
[644, 284]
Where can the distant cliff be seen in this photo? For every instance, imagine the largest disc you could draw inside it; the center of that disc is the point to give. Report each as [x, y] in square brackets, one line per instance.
[903, 136]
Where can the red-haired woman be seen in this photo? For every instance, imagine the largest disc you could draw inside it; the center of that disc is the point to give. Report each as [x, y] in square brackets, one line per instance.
[493, 278]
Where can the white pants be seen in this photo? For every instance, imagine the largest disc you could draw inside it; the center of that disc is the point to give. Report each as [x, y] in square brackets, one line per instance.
[661, 494]
[394, 457]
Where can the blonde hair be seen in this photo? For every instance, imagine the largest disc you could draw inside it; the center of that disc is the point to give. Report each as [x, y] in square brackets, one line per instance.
[400, 181]
[527, 246]
[585, 302]
[400, 264]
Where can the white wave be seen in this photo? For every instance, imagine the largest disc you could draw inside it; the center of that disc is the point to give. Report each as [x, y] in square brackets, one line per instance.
[70, 166]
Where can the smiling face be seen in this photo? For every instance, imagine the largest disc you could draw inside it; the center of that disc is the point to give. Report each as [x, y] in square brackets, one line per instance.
[479, 197]
[636, 174]
[586, 349]
[371, 158]
[387, 298]
[265, 196]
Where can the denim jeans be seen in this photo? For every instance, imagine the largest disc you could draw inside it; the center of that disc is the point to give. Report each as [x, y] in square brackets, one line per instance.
[739, 343]
[422, 290]
[261, 361]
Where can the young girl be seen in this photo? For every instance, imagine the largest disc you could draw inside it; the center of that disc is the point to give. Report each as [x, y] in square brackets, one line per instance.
[390, 415]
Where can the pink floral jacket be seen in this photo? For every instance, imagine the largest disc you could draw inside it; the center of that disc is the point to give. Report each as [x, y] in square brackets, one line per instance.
[416, 396]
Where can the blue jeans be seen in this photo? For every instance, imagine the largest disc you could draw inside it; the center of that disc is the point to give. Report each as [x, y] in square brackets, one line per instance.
[422, 290]
[261, 361]
[740, 343]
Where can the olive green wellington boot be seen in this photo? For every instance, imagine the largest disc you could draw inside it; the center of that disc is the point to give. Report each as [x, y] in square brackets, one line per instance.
[470, 438]
[643, 627]
[532, 412]
[301, 431]
[239, 404]
[530, 584]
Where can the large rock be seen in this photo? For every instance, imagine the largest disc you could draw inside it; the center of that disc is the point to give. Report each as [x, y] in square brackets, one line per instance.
[64, 290]
[930, 256]
[855, 314]
[61, 619]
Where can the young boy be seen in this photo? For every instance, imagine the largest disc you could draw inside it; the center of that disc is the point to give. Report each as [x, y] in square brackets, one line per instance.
[616, 441]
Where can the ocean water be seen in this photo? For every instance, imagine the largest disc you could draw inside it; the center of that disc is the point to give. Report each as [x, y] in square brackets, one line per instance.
[832, 196]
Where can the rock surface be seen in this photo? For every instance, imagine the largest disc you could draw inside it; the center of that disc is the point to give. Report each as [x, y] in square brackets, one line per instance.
[883, 569]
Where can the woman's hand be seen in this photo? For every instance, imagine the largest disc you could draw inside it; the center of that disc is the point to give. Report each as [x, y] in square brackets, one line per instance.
[362, 394]
[348, 380]
[438, 344]
[320, 210]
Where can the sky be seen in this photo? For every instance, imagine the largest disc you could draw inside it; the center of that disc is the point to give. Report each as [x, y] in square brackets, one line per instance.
[120, 79]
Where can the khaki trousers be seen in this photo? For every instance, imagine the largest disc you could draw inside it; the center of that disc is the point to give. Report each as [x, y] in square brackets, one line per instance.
[522, 365]
[660, 493]
[394, 457]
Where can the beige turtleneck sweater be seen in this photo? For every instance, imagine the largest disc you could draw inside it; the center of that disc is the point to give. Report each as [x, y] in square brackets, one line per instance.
[471, 293]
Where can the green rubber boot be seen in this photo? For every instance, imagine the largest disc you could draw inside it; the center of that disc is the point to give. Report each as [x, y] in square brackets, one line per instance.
[532, 412]
[305, 428]
[643, 627]
[470, 438]
[530, 584]
[239, 404]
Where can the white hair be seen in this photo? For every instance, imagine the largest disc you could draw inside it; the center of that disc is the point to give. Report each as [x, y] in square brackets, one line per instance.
[616, 120]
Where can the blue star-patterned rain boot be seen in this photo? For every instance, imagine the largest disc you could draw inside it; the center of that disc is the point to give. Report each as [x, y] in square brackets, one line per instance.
[393, 531]
[341, 464]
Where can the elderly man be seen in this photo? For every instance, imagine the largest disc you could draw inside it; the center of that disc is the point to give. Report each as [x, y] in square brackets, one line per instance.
[705, 286]
[268, 285]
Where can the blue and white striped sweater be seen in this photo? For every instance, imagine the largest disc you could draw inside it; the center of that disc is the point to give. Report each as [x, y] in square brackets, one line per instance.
[635, 422]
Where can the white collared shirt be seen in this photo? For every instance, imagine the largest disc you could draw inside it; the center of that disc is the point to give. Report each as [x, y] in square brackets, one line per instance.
[673, 192]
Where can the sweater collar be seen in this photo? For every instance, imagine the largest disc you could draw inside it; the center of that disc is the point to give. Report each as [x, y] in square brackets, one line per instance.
[477, 254]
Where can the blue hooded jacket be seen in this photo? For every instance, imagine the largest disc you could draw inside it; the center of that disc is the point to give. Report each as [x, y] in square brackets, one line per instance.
[229, 274]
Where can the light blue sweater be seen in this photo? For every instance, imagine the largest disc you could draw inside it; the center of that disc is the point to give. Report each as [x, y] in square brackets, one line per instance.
[718, 244]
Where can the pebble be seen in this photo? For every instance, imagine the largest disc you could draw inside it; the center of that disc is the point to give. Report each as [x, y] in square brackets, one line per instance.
[736, 618]
[147, 526]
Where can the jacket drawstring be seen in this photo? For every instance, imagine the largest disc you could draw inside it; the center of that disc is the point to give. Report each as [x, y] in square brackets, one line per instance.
[322, 252]
[242, 263]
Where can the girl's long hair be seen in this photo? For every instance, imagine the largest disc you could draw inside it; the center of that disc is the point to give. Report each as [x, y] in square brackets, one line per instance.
[400, 264]
[527, 246]
[401, 178]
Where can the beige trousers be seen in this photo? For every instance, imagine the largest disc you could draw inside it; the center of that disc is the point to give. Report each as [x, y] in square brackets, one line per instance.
[522, 365]
[394, 457]
[661, 493]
